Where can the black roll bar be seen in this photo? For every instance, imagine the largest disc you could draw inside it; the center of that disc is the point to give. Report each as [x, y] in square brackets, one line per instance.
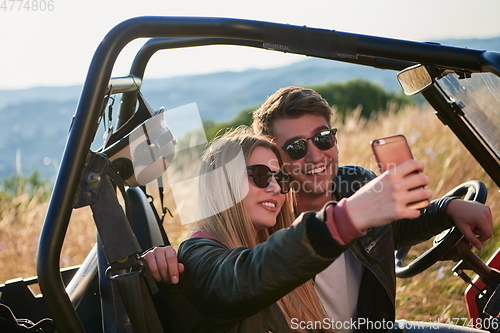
[279, 37]
[153, 45]
[375, 52]
[138, 68]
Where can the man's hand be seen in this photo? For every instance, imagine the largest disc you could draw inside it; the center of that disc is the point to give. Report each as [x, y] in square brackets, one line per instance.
[473, 219]
[163, 264]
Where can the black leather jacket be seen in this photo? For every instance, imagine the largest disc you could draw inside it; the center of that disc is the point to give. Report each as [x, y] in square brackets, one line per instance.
[236, 290]
[376, 301]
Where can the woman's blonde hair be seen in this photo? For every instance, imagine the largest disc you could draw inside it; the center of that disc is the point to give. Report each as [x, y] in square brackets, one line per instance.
[225, 218]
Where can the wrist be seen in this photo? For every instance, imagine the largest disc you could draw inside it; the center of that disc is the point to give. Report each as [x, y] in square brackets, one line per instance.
[340, 224]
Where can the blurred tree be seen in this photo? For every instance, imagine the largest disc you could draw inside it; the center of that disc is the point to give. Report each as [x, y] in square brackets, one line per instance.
[371, 97]
[13, 186]
[33, 184]
[213, 129]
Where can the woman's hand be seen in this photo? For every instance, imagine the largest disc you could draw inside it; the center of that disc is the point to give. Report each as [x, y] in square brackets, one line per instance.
[163, 264]
[386, 198]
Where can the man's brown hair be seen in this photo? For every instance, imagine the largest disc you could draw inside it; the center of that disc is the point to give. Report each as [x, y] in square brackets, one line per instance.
[289, 102]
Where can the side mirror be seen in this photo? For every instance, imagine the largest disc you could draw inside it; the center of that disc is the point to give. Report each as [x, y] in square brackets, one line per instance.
[414, 79]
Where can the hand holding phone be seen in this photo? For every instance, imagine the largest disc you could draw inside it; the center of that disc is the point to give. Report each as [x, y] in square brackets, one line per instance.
[391, 152]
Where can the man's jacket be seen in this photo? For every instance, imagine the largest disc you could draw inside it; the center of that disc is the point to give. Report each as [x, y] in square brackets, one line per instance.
[376, 300]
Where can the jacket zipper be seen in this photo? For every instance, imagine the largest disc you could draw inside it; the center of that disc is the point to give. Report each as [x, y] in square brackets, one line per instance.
[372, 265]
[371, 246]
[376, 240]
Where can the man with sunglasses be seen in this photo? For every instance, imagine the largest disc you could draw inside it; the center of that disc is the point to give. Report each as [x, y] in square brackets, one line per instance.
[360, 284]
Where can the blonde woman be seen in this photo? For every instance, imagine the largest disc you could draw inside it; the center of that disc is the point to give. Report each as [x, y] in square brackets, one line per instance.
[248, 267]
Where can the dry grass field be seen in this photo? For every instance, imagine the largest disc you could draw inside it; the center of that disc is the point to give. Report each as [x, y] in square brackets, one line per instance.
[435, 293]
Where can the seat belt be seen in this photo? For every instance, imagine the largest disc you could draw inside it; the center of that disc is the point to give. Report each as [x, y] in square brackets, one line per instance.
[126, 268]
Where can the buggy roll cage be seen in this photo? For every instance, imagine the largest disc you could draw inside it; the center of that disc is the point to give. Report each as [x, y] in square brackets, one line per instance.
[176, 32]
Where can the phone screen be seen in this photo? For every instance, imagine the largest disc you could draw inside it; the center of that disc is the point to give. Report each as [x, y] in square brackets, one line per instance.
[391, 152]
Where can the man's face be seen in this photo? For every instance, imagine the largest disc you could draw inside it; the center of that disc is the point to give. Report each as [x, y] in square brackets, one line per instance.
[314, 172]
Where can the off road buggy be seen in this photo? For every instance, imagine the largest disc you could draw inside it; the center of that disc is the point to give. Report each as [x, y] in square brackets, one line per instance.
[111, 291]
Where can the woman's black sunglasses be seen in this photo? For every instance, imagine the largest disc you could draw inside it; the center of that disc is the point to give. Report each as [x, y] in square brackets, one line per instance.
[262, 177]
[323, 140]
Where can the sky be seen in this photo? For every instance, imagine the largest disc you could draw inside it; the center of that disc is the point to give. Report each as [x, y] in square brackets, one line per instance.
[54, 47]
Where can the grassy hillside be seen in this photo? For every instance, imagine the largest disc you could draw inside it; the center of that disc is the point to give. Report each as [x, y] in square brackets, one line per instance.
[434, 294]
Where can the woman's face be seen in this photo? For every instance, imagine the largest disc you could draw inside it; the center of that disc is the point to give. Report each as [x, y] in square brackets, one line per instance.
[262, 205]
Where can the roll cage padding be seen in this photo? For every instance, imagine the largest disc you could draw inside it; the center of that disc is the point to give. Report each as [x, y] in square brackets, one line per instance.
[145, 226]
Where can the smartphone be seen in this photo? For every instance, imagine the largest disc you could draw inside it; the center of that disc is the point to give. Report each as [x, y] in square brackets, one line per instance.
[391, 152]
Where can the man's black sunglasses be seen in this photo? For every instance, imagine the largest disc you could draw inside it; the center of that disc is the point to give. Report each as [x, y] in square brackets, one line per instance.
[262, 177]
[323, 140]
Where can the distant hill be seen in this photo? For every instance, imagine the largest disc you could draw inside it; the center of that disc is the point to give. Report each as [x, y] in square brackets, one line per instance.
[35, 121]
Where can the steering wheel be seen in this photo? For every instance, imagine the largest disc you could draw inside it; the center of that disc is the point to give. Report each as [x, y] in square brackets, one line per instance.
[445, 241]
